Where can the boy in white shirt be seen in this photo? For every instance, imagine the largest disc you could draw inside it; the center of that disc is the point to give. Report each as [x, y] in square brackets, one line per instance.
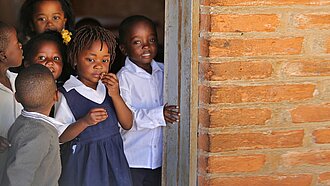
[141, 86]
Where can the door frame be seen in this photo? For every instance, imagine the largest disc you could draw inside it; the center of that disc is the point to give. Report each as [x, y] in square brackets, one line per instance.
[181, 88]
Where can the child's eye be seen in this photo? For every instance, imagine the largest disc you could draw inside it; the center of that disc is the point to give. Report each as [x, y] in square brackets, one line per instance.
[90, 60]
[152, 40]
[136, 42]
[56, 17]
[56, 58]
[105, 60]
[41, 58]
[41, 19]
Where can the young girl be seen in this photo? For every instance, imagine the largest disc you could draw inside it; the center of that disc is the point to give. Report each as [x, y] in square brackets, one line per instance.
[49, 50]
[37, 16]
[90, 108]
[10, 56]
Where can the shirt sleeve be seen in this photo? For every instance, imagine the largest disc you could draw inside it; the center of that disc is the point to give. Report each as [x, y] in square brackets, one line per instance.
[144, 118]
[63, 114]
[31, 151]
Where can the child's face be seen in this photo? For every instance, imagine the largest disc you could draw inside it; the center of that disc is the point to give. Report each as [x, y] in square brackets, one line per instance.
[92, 62]
[14, 52]
[140, 44]
[49, 55]
[48, 15]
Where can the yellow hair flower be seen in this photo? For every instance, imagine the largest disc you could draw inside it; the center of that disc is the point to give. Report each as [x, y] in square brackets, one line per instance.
[66, 35]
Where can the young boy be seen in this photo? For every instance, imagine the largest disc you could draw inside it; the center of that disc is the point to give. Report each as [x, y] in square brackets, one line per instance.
[10, 56]
[33, 157]
[141, 86]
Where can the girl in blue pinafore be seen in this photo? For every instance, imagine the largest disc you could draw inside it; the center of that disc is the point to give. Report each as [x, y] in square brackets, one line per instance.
[90, 107]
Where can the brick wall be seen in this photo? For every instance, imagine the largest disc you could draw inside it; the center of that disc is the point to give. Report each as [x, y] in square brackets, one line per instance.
[264, 116]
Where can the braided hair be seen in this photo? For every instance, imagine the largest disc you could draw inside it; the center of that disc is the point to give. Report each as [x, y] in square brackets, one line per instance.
[84, 38]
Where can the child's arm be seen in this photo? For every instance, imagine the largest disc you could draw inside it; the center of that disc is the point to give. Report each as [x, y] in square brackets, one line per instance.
[4, 144]
[93, 117]
[124, 114]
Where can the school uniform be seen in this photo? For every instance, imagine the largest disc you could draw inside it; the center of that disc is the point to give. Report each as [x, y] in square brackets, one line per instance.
[96, 156]
[10, 109]
[34, 156]
[143, 94]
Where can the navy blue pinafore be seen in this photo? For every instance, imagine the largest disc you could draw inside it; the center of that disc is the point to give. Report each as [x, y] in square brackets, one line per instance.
[95, 157]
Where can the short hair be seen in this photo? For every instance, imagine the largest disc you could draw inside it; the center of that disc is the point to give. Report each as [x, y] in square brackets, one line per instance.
[129, 22]
[26, 16]
[5, 30]
[35, 87]
[84, 38]
[30, 48]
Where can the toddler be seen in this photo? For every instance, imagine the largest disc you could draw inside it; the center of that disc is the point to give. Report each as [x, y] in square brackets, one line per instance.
[90, 108]
[34, 158]
[10, 56]
[141, 86]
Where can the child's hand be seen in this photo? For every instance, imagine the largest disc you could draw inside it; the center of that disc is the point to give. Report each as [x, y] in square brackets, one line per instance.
[4, 144]
[95, 116]
[111, 82]
[171, 113]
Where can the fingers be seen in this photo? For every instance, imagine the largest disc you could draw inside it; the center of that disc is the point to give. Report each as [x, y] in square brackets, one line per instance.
[171, 113]
[97, 115]
[109, 79]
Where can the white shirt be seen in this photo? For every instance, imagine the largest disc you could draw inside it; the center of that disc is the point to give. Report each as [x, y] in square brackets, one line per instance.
[143, 94]
[10, 109]
[63, 113]
[38, 116]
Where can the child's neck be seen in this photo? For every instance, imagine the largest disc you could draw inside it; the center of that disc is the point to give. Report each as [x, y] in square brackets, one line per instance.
[4, 79]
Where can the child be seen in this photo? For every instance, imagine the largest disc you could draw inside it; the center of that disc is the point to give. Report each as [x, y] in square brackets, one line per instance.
[141, 86]
[89, 106]
[10, 56]
[34, 158]
[49, 50]
[37, 16]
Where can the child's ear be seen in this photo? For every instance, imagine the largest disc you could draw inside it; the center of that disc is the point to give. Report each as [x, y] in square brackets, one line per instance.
[3, 56]
[56, 96]
[123, 49]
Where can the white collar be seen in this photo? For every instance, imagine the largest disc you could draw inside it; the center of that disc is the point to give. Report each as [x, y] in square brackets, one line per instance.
[136, 69]
[38, 116]
[96, 96]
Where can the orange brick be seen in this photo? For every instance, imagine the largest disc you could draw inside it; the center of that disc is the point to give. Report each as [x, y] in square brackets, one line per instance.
[204, 94]
[241, 117]
[255, 47]
[204, 47]
[202, 164]
[257, 140]
[204, 118]
[282, 180]
[322, 136]
[315, 157]
[238, 71]
[307, 68]
[203, 142]
[324, 178]
[265, 2]
[204, 22]
[311, 113]
[267, 93]
[225, 164]
[244, 23]
[314, 21]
